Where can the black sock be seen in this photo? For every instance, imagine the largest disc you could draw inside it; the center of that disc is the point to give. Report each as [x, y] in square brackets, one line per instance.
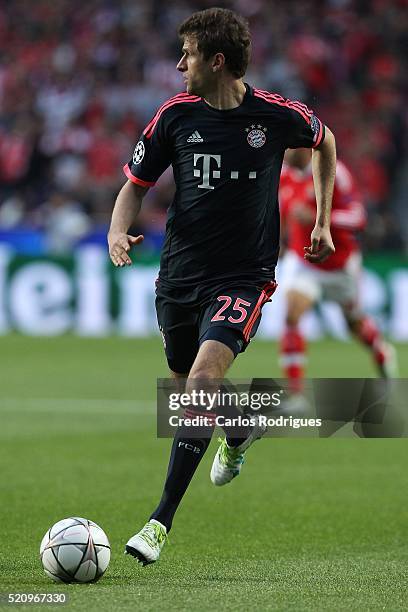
[186, 454]
[235, 434]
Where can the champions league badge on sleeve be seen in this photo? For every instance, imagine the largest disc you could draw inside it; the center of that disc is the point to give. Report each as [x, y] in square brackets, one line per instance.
[256, 135]
[315, 126]
[139, 152]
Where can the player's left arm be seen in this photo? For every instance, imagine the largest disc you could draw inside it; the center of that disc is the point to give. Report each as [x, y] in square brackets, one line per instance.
[324, 173]
[304, 129]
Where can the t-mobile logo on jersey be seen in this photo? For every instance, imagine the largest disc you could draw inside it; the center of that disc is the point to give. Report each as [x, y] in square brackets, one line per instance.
[215, 173]
[207, 157]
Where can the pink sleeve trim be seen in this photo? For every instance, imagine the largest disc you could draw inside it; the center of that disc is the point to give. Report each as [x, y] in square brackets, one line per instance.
[134, 179]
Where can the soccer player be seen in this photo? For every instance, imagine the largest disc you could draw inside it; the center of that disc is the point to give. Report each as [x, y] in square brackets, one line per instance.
[225, 141]
[336, 278]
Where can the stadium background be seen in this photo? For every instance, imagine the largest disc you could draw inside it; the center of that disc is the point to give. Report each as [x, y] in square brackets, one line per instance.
[78, 81]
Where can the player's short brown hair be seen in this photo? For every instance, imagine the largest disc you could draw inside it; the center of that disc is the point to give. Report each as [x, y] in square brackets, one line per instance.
[219, 30]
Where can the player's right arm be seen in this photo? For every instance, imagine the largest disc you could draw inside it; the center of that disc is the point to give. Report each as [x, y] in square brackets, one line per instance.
[151, 157]
[127, 207]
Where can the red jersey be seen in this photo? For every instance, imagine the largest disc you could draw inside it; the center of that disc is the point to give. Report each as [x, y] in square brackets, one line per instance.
[298, 202]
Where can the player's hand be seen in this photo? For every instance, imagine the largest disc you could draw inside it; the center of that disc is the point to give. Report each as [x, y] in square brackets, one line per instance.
[321, 245]
[119, 247]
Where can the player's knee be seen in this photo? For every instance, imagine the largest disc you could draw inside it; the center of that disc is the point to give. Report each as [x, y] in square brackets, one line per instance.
[205, 373]
[297, 305]
[292, 318]
[293, 314]
[202, 377]
[352, 325]
[353, 320]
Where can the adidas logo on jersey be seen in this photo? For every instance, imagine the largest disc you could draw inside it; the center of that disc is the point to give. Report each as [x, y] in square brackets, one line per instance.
[195, 137]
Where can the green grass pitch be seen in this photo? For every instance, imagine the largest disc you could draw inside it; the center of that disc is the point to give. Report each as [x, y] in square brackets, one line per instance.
[310, 525]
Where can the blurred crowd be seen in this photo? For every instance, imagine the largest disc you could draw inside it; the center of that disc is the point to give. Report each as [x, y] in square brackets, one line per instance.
[79, 80]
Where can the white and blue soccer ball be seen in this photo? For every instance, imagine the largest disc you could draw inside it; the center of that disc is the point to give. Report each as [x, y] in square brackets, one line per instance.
[75, 550]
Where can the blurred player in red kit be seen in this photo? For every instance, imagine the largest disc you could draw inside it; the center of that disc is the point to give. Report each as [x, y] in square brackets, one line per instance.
[335, 279]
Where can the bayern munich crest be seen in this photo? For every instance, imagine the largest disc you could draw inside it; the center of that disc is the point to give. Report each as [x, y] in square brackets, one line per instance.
[256, 135]
[139, 152]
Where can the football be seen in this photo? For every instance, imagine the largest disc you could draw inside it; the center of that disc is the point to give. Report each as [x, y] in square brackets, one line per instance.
[75, 550]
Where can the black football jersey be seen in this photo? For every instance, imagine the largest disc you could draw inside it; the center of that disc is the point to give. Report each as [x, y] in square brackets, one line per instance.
[223, 223]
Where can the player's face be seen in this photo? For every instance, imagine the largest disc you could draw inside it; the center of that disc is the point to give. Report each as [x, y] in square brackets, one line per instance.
[197, 71]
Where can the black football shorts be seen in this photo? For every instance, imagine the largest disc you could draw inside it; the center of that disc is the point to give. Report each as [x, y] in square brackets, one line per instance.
[230, 315]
